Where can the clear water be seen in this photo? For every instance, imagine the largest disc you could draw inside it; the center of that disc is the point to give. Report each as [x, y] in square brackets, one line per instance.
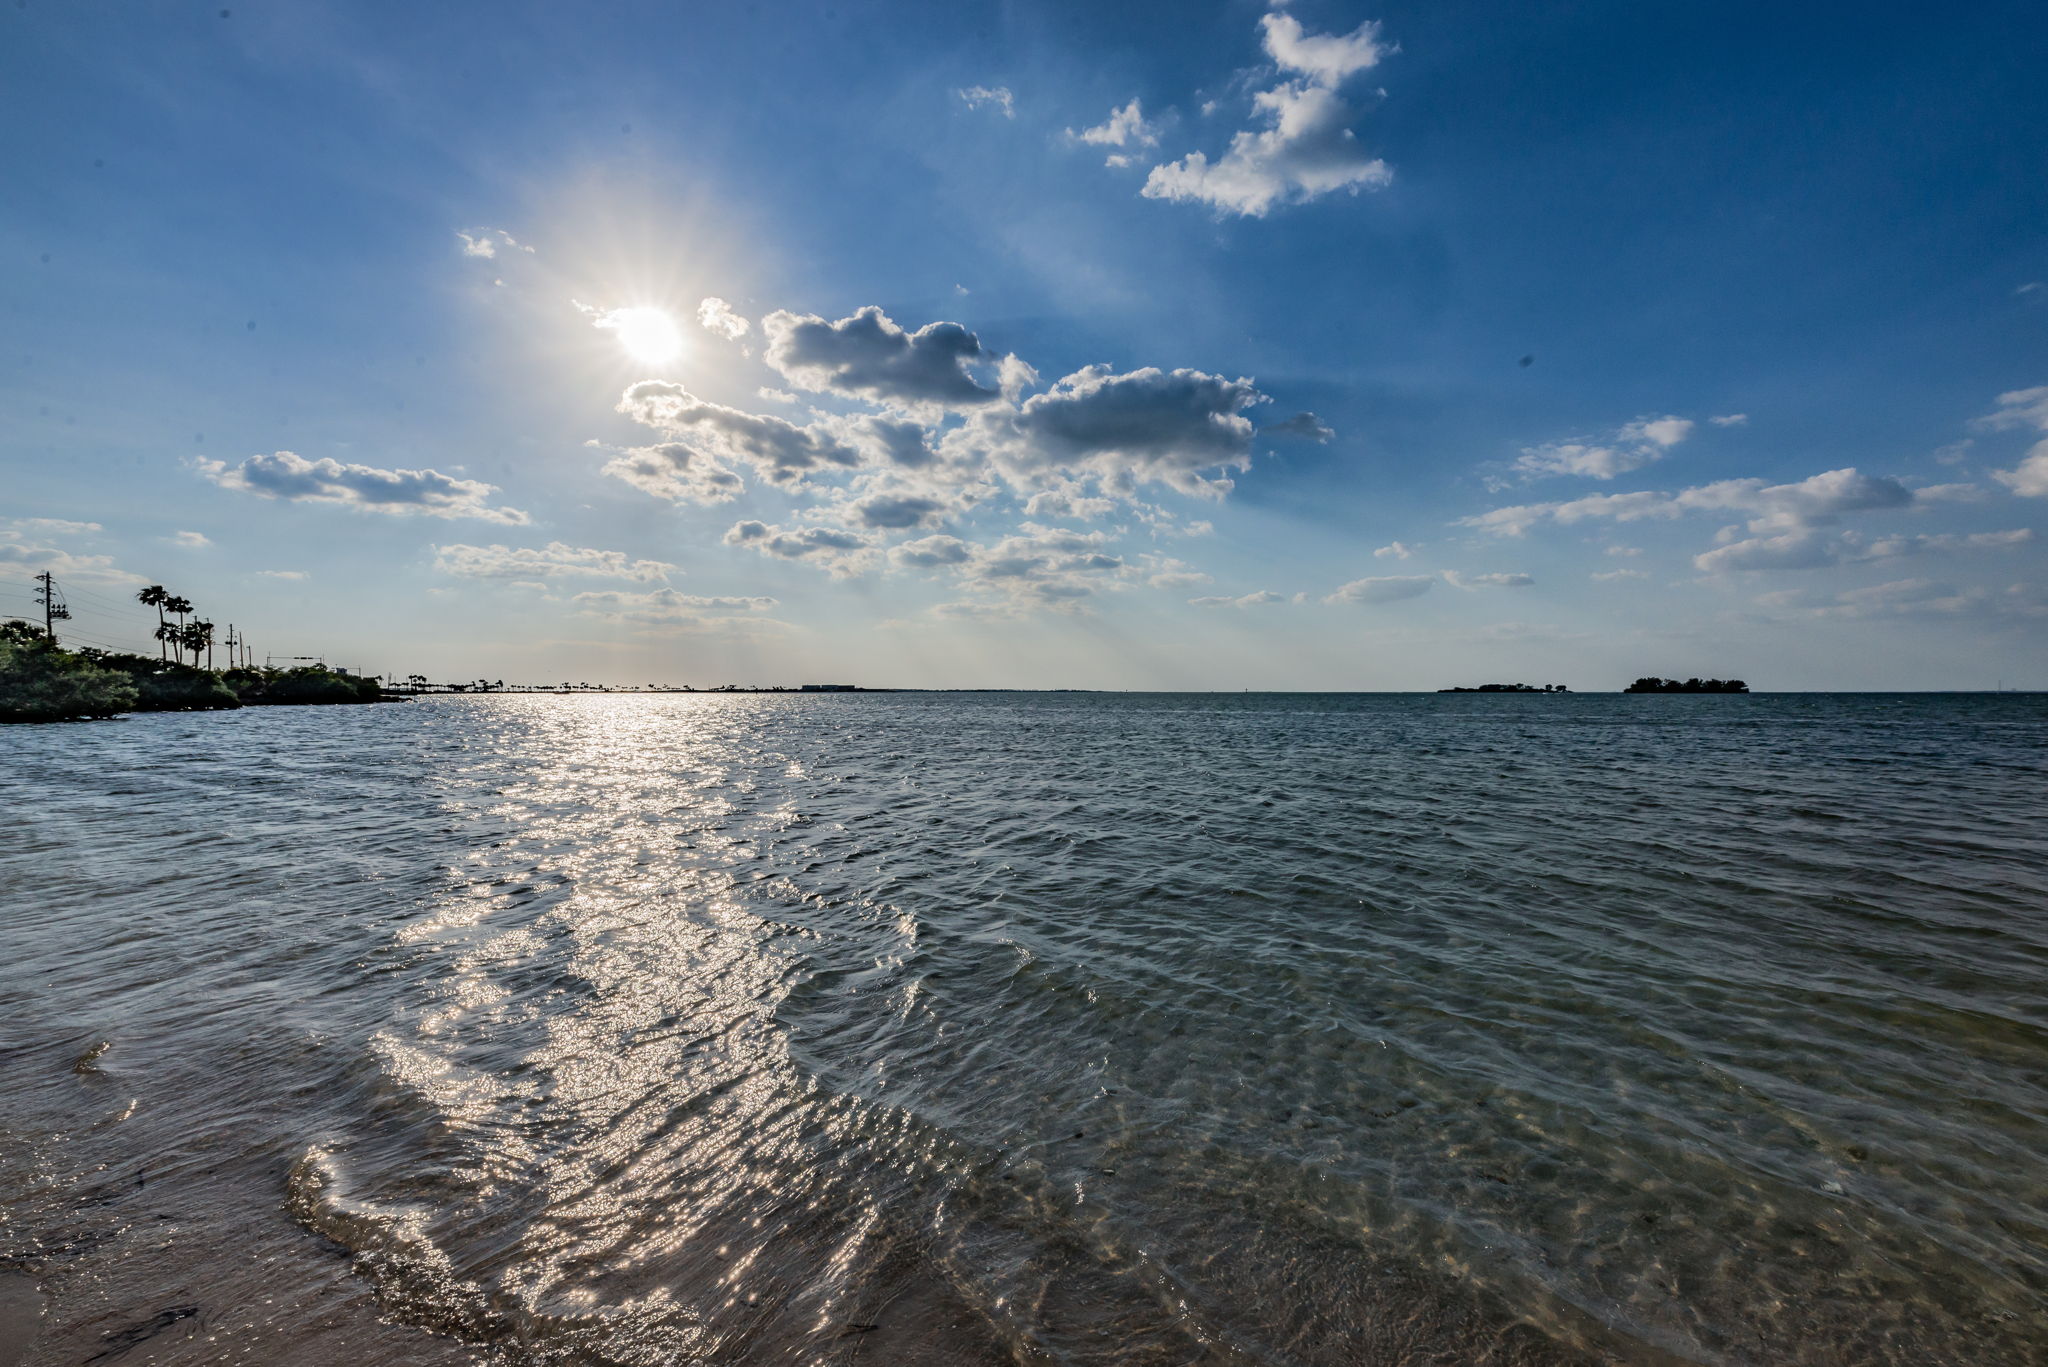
[1037, 1028]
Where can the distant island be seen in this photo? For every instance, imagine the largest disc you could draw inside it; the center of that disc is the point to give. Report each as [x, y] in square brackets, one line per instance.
[1510, 688]
[1657, 685]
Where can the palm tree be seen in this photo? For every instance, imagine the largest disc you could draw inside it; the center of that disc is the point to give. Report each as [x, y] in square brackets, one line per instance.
[155, 597]
[195, 638]
[168, 636]
[179, 608]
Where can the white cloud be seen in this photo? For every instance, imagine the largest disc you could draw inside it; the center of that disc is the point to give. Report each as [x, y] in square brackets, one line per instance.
[1307, 150]
[1631, 447]
[1804, 549]
[2023, 408]
[1386, 589]
[53, 526]
[291, 477]
[554, 559]
[1263, 598]
[189, 541]
[1818, 499]
[282, 574]
[1487, 581]
[715, 315]
[1397, 550]
[1124, 128]
[993, 96]
[1325, 58]
[1611, 576]
[674, 471]
[487, 242]
[1730, 420]
[1920, 598]
[37, 555]
[868, 356]
[666, 607]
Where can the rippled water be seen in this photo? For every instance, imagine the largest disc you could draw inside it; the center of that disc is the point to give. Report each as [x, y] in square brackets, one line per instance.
[1036, 1028]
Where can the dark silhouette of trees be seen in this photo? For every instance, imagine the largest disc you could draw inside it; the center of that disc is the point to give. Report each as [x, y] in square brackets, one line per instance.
[1653, 684]
[155, 596]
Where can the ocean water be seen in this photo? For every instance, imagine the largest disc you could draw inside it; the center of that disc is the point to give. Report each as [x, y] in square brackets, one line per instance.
[1078, 1029]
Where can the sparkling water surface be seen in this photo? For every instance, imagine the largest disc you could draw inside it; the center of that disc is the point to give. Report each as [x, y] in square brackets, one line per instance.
[1072, 1028]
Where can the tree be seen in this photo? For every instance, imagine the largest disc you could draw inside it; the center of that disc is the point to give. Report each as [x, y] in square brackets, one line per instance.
[196, 637]
[155, 596]
[179, 608]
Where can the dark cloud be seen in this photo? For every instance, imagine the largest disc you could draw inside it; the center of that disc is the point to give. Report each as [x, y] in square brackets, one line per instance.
[287, 475]
[870, 356]
[780, 450]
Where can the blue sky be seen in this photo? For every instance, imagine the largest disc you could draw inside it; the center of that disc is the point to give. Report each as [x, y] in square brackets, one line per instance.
[1311, 346]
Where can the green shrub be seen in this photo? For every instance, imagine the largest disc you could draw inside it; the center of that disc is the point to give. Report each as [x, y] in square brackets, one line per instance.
[41, 683]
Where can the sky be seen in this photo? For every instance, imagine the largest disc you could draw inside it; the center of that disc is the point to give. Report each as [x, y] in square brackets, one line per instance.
[1321, 345]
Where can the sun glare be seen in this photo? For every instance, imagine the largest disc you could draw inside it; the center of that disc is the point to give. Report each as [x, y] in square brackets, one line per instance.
[648, 335]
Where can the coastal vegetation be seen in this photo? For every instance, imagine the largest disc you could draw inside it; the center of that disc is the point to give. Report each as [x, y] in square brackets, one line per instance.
[1652, 684]
[1510, 688]
[41, 681]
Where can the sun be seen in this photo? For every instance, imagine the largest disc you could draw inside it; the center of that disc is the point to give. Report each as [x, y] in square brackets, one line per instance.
[649, 335]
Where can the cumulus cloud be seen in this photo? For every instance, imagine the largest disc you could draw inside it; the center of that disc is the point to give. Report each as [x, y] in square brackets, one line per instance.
[932, 552]
[715, 315]
[2027, 409]
[1612, 576]
[843, 553]
[1325, 58]
[189, 541]
[429, 493]
[1730, 420]
[1487, 581]
[1818, 499]
[1262, 598]
[1145, 426]
[282, 574]
[1125, 128]
[989, 96]
[1629, 448]
[1307, 426]
[1395, 550]
[895, 512]
[52, 526]
[1307, 150]
[869, 356]
[782, 452]
[1385, 589]
[550, 561]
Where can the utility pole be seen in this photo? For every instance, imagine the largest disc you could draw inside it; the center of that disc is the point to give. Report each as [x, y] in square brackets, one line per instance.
[54, 610]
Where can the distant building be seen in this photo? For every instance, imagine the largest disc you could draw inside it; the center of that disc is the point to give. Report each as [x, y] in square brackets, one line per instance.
[831, 688]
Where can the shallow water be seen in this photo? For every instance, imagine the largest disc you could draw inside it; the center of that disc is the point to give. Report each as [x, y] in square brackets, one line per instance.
[1034, 1028]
